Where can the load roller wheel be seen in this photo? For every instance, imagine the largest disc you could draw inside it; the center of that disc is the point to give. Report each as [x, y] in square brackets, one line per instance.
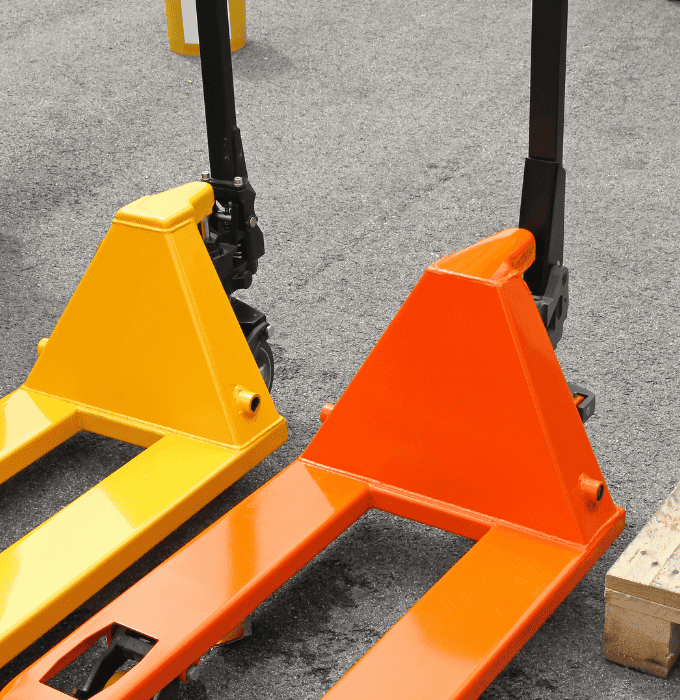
[265, 363]
[170, 692]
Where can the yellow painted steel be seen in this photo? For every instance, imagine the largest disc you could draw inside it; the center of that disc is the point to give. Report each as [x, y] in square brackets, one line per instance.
[31, 425]
[147, 351]
[182, 25]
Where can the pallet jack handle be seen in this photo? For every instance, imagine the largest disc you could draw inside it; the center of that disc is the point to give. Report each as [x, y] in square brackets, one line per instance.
[225, 149]
[542, 205]
[233, 238]
[548, 68]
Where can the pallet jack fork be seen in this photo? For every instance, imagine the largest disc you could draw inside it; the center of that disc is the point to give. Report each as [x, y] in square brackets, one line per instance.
[150, 351]
[492, 450]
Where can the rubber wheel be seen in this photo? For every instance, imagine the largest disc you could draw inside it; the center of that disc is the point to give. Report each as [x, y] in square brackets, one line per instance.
[265, 363]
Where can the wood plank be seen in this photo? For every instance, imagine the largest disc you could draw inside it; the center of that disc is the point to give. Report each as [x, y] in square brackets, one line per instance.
[649, 568]
[646, 642]
[641, 605]
[642, 596]
[668, 578]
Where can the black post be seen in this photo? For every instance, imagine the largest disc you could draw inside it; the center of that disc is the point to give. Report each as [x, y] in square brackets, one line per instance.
[225, 149]
[542, 206]
[233, 238]
[548, 67]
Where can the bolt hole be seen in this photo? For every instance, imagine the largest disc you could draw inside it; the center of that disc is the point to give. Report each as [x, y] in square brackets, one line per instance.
[600, 493]
[254, 404]
[564, 279]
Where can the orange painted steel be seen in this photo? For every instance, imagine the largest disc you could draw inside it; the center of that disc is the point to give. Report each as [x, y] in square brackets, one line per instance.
[492, 449]
[215, 581]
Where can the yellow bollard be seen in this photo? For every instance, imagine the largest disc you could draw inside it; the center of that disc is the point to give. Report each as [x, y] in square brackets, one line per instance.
[183, 27]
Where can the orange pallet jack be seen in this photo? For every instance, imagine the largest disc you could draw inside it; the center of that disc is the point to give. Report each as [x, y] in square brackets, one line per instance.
[150, 350]
[493, 450]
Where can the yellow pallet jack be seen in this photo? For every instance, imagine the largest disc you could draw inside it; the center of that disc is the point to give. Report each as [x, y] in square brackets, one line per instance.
[152, 349]
[493, 450]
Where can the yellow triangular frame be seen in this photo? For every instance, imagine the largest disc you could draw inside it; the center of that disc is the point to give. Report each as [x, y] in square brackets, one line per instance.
[150, 334]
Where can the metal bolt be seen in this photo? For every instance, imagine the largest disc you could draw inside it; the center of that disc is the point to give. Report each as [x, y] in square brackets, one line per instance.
[270, 328]
[205, 175]
[204, 228]
[252, 221]
[193, 672]
[238, 181]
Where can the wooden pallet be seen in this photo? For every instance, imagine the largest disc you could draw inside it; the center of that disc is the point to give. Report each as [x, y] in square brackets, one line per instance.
[642, 596]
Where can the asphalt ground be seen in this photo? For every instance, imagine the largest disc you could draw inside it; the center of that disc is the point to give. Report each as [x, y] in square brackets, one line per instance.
[379, 136]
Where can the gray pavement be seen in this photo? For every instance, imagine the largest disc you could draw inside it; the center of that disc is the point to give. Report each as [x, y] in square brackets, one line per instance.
[379, 136]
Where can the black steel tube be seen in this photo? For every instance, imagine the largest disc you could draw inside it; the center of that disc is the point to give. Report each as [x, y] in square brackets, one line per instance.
[224, 143]
[548, 65]
[542, 206]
